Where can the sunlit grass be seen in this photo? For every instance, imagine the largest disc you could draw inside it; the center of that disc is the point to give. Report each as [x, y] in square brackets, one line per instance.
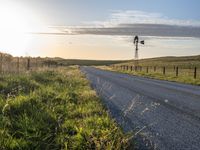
[55, 110]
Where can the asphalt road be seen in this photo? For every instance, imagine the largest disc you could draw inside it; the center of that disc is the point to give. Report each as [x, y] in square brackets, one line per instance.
[163, 115]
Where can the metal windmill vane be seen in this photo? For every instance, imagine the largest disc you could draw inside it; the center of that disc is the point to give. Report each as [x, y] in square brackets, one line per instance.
[135, 42]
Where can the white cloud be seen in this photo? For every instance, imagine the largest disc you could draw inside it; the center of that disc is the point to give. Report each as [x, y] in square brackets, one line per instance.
[140, 17]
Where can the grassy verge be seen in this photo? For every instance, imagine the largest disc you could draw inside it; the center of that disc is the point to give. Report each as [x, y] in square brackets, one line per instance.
[182, 78]
[54, 110]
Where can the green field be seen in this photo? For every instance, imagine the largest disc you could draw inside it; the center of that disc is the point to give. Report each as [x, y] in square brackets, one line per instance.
[54, 109]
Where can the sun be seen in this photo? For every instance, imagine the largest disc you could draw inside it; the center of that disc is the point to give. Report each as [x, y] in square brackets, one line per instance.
[16, 23]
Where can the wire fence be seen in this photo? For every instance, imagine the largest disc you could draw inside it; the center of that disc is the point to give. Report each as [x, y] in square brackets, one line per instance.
[177, 71]
[9, 64]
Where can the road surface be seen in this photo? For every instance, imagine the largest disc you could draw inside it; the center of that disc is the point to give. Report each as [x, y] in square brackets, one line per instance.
[163, 115]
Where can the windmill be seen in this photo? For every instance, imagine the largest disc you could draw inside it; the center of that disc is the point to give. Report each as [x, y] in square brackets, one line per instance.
[135, 42]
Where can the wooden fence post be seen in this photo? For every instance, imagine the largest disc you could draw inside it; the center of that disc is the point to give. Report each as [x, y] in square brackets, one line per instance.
[18, 65]
[147, 69]
[1, 64]
[154, 69]
[163, 70]
[177, 71]
[28, 64]
[195, 72]
[131, 68]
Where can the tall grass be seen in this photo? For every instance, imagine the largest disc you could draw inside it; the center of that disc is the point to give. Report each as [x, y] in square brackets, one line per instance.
[55, 110]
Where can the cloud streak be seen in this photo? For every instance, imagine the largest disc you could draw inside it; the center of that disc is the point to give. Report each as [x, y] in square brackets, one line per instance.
[135, 23]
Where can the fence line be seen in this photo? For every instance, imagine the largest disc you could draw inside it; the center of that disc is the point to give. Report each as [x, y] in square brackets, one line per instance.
[9, 64]
[175, 70]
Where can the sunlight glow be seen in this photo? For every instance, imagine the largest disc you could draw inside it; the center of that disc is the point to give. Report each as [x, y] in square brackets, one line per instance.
[16, 23]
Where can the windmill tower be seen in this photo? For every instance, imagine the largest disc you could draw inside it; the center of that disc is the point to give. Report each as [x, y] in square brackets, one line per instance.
[135, 42]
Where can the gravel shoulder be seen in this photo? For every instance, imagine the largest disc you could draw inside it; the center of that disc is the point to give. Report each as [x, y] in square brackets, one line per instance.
[165, 114]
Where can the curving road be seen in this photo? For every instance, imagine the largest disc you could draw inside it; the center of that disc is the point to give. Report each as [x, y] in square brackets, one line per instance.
[163, 115]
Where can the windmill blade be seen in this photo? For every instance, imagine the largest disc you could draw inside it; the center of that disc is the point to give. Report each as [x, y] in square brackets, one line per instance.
[142, 42]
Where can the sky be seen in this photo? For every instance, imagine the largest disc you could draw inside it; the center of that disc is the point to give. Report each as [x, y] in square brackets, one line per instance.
[99, 29]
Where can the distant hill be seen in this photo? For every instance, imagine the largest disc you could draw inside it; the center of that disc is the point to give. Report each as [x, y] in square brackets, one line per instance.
[88, 62]
[185, 61]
